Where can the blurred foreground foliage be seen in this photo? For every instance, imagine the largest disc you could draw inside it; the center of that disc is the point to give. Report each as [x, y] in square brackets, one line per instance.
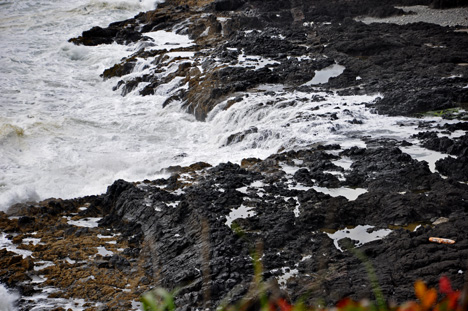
[428, 299]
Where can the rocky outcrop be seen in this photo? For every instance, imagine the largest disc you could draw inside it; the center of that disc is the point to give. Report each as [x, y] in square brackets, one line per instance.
[57, 251]
[455, 165]
[420, 53]
[416, 67]
[198, 230]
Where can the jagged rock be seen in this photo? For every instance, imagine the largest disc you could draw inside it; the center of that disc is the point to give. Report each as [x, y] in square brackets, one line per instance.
[98, 35]
[450, 166]
[457, 147]
[378, 53]
[192, 246]
[197, 229]
[456, 168]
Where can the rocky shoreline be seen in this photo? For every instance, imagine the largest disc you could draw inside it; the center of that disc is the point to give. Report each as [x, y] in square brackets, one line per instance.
[195, 231]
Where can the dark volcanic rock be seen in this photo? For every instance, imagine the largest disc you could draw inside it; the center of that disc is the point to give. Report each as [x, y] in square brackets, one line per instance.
[457, 147]
[197, 229]
[181, 240]
[387, 168]
[98, 35]
[455, 166]
[198, 234]
[410, 53]
[417, 67]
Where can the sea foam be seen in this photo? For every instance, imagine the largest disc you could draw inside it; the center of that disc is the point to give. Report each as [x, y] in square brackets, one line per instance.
[65, 133]
[7, 299]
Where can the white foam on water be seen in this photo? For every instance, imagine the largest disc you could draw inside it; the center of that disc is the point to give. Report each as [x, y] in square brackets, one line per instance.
[289, 169]
[257, 184]
[287, 123]
[100, 236]
[42, 302]
[350, 193]
[299, 187]
[241, 189]
[456, 134]
[286, 274]
[323, 76]
[296, 211]
[42, 265]
[34, 241]
[91, 222]
[360, 234]
[36, 279]
[7, 244]
[343, 162]
[104, 252]
[423, 154]
[7, 299]
[239, 212]
[49, 96]
[168, 40]
[65, 133]
[255, 61]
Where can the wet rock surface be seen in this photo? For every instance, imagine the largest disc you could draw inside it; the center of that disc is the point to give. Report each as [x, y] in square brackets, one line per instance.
[56, 252]
[455, 165]
[197, 230]
[239, 45]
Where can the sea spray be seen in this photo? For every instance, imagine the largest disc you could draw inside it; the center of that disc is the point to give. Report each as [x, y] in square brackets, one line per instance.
[73, 135]
[48, 92]
[7, 299]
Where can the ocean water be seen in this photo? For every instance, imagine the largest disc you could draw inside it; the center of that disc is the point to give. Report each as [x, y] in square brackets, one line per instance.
[7, 299]
[65, 133]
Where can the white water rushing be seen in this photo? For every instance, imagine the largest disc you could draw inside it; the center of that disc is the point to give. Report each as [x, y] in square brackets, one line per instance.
[7, 299]
[65, 133]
